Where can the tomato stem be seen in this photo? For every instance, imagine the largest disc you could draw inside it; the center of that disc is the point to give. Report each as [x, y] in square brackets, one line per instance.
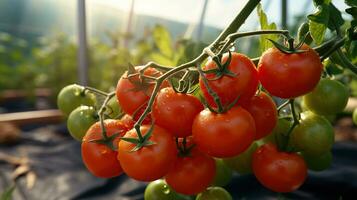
[338, 43]
[295, 123]
[94, 90]
[345, 60]
[101, 114]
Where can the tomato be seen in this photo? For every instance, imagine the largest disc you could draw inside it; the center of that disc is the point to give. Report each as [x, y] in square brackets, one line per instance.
[289, 75]
[72, 96]
[228, 88]
[159, 190]
[314, 135]
[354, 116]
[132, 92]
[80, 120]
[223, 135]
[214, 193]
[191, 174]
[149, 162]
[328, 97]
[139, 112]
[318, 163]
[263, 110]
[113, 108]
[243, 162]
[99, 159]
[279, 133]
[175, 111]
[278, 171]
[223, 174]
[128, 121]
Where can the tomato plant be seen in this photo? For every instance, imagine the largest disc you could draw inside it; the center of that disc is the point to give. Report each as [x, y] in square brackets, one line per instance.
[176, 111]
[80, 120]
[235, 131]
[159, 156]
[73, 96]
[99, 159]
[278, 171]
[329, 97]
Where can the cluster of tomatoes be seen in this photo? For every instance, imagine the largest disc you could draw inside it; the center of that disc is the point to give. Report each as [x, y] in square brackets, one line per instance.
[187, 140]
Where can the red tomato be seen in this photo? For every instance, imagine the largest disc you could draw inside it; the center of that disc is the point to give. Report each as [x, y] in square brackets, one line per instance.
[223, 135]
[228, 88]
[100, 160]
[128, 121]
[132, 93]
[289, 75]
[263, 110]
[278, 171]
[149, 162]
[176, 111]
[191, 174]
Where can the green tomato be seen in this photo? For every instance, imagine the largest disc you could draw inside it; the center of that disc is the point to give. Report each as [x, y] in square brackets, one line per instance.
[214, 193]
[72, 96]
[113, 108]
[328, 97]
[159, 190]
[223, 174]
[80, 120]
[354, 116]
[243, 162]
[318, 163]
[314, 135]
[278, 135]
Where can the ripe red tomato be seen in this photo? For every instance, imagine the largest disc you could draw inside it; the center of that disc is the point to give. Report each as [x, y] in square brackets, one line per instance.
[263, 110]
[132, 93]
[175, 111]
[289, 75]
[149, 162]
[100, 160]
[228, 88]
[191, 174]
[128, 121]
[223, 135]
[278, 171]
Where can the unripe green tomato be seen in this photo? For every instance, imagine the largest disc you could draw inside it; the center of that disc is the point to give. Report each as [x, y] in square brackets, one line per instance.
[113, 108]
[72, 96]
[314, 135]
[243, 162]
[329, 97]
[214, 193]
[354, 116]
[318, 163]
[278, 136]
[80, 120]
[223, 174]
[159, 190]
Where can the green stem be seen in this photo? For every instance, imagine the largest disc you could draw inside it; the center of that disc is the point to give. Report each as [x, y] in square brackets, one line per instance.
[347, 62]
[101, 114]
[283, 105]
[339, 43]
[295, 123]
[96, 91]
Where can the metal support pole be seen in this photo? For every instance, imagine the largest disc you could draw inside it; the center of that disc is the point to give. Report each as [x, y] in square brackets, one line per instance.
[201, 22]
[284, 14]
[129, 24]
[82, 44]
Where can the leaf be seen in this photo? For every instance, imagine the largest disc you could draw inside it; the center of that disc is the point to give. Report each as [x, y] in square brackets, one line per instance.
[319, 2]
[351, 2]
[161, 59]
[352, 11]
[264, 25]
[7, 194]
[162, 40]
[318, 22]
[321, 15]
[317, 32]
[335, 19]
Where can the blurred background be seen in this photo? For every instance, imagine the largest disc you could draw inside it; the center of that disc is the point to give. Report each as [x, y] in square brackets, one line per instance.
[47, 44]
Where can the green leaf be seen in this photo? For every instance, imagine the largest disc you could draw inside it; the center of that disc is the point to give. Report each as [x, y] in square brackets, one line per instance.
[335, 19]
[264, 25]
[319, 2]
[351, 2]
[161, 59]
[162, 40]
[317, 31]
[352, 11]
[7, 194]
[318, 22]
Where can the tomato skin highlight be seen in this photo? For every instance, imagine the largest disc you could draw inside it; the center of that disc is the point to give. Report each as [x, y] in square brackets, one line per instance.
[243, 85]
[175, 111]
[191, 174]
[278, 171]
[289, 75]
[223, 135]
[149, 163]
[263, 110]
[130, 96]
[100, 160]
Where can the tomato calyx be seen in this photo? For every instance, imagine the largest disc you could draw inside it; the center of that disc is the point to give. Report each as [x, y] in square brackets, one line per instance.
[141, 141]
[291, 48]
[183, 149]
[222, 69]
[140, 82]
[107, 141]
